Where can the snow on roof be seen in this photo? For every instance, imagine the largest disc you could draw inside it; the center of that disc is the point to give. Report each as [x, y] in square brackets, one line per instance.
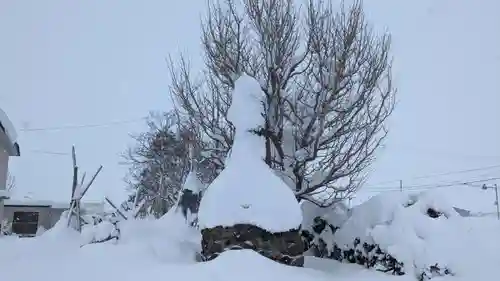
[247, 191]
[8, 126]
[8, 139]
[53, 204]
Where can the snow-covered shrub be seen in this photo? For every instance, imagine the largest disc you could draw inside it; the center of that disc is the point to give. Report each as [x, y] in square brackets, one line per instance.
[319, 225]
[392, 233]
[103, 231]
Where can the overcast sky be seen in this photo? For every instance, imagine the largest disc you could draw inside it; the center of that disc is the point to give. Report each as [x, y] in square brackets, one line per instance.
[65, 63]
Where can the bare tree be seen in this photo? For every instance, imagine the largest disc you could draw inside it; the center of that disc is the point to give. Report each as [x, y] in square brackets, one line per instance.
[327, 82]
[158, 164]
[160, 160]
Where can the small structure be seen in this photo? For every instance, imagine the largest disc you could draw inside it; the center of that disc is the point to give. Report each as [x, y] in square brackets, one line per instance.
[247, 206]
[188, 202]
[8, 148]
[28, 216]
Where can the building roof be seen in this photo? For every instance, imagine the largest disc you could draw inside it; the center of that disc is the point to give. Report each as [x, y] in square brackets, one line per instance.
[47, 203]
[8, 135]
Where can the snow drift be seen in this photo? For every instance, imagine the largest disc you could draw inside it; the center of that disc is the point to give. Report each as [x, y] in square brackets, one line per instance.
[396, 233]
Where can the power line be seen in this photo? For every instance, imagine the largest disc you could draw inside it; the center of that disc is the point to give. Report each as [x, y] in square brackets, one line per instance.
[437, 185]
[49, 152]
[83, 126]
[445, 174]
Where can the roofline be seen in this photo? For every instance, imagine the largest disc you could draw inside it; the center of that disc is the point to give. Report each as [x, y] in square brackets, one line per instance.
[12, 148]
[17, 149]
[47, 203]
[29, 206]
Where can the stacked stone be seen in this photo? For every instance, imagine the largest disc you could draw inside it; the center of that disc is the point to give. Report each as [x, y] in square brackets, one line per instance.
[283, 247]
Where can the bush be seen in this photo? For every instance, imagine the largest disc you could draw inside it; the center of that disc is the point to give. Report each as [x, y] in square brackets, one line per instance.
[357, 236]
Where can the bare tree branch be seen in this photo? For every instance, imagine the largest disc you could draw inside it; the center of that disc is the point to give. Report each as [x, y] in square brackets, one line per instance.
[327, 80]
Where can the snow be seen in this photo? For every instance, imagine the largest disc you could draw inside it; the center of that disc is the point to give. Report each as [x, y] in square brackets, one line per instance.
[78, 193]
[472, 198]
[150, 248]
[8, 126]
[399, 224]
[86, 205]
[247, 191]
[4, 194]
[193, 183]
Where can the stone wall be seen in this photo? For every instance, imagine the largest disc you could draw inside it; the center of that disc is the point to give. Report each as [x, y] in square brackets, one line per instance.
[284, 247]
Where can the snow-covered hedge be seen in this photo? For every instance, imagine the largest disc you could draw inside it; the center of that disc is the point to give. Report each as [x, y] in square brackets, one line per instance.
[394, 233]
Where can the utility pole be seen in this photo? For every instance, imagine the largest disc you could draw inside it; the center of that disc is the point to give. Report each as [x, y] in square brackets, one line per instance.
[496, 195]
[401, 185]
[495, 186]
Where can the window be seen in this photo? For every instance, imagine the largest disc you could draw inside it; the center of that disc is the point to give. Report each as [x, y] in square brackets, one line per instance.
[25, 223]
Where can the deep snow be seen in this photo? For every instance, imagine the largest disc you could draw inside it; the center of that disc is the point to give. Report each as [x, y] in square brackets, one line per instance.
[152, 249]
[167, 247]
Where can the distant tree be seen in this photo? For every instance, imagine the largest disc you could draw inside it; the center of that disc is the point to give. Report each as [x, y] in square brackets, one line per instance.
[160, 160]
[158, 164]
[328, 86]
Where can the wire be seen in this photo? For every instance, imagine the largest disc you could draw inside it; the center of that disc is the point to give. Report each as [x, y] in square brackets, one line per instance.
[84, 126]
[428, 176]
[49, 152]
[432, 186]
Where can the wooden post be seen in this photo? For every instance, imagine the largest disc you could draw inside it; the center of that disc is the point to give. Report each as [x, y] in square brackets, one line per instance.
[74, 210]
[116, 208]
[77, 193]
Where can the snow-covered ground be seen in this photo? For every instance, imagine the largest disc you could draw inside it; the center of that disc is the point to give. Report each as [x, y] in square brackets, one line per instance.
[418, 230]
[151, 249]
[166, 248]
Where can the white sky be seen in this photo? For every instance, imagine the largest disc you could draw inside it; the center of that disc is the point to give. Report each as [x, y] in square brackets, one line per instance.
[93, 62]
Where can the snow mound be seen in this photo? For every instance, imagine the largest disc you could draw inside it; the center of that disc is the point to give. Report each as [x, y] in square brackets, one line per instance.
[474, 199]
[170, 238]
[61, 232]
[249, 266]
[247, 191]
[411, 230]
[193, 183]
[101, 232]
